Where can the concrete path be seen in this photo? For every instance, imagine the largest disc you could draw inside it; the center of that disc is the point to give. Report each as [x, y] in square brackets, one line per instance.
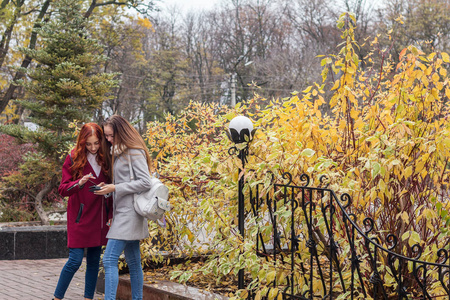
[37, 279]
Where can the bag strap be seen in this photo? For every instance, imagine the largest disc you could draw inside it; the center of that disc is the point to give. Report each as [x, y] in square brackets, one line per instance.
[154, 175]
[131, 175]
[131, 168]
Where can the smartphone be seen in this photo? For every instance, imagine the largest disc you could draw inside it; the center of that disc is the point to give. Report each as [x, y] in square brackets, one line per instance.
[94, 188]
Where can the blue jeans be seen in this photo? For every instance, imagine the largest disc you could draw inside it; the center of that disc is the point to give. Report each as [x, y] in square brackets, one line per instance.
[110, 262]
[72, 265]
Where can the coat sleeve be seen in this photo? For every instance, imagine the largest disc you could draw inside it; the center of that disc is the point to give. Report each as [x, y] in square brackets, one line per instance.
[66, 180]
[142, 177]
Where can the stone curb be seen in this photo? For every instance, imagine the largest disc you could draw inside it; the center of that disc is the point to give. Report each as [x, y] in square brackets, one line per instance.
[160, 290]
[165, 290]
[33, 242]
[50, 242]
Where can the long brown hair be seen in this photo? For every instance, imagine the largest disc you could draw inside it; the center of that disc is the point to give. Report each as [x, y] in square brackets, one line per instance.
[79, 155]
[124, 135]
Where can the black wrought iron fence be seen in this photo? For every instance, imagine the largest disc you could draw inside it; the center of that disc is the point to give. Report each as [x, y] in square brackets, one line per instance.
[323, 251]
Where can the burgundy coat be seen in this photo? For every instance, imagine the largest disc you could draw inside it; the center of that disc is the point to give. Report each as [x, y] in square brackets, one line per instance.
[87, 213]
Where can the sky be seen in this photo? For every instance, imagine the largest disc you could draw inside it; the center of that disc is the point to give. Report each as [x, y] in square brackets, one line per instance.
[187, 5]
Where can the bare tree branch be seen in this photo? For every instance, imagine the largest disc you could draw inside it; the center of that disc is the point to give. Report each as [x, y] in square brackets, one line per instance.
[27, 60]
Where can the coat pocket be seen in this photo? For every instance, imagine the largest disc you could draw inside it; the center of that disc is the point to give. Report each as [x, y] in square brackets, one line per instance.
[80, 212]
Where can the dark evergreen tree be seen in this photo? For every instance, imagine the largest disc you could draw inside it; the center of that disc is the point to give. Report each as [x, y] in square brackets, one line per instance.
[65, 86]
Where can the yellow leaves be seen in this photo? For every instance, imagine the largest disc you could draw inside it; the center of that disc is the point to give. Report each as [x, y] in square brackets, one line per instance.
[374, 41]
[435, 93]
[324, 74]
[421, 163]
[424, 59]
[336, 85]
[3, 83]
[373, 194]
[405, 217]
[258, 295]
[144, 22]
[326, 61]
[435, 77]
[447, 92]
[400, 19]
[307, 90]
[415, 51]
[342, 125]
[320, 100]
[351, 70]
[431, 56]
[408, 172]
[394, 162]
[392, 97]
[445, 57]
[270, 277]
[425, 80]
[281, 277]
[381, 186]
[354, 114]
[275, 294]
[374, 151]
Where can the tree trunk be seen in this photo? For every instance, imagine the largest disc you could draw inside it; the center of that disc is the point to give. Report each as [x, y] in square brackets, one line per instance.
[27, 60]
[38, 201]
[93, 5]
[6, 38]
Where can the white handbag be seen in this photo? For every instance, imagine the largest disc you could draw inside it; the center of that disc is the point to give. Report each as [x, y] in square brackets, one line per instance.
[151, 204]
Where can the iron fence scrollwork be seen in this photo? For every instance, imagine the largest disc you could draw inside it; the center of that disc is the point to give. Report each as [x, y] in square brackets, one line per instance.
[329, 256]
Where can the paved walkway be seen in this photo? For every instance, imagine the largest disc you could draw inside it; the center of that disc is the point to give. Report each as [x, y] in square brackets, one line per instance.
[37, 279]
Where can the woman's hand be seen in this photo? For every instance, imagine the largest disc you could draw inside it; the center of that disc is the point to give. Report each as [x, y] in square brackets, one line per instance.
[85, 178]
[105, 189]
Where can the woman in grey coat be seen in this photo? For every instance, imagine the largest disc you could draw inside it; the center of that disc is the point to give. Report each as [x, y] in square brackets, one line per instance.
[127, 227]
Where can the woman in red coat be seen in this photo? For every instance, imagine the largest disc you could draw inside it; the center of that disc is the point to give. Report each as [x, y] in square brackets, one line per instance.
[87, 214]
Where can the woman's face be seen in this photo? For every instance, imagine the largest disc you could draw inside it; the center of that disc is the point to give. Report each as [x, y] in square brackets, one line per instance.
[92, 144]
[109, 134]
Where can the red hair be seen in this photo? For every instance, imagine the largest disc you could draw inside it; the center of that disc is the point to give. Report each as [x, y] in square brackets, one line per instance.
[79, 156]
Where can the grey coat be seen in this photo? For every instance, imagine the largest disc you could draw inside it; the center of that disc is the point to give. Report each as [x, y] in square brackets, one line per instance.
[126, 223]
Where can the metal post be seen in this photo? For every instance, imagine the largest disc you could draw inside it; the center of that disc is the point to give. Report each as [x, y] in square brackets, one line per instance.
[233, 90]
[240, 132]
[241, 210]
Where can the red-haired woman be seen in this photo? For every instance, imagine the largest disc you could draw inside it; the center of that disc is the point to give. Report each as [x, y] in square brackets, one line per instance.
[87, 213]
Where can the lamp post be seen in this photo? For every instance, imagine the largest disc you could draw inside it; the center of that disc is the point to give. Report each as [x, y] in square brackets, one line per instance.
[240, 131]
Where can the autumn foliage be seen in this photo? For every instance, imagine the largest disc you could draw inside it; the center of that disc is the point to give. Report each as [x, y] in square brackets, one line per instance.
[14, 206]
[386, 143]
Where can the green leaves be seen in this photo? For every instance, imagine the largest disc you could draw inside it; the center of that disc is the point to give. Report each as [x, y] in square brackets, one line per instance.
[386, 147]
[63, 86]
[308, 152]
[412, 237]
[376, 167]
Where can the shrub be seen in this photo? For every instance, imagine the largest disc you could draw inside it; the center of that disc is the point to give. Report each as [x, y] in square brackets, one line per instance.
[11, 154]
[16, 213]
[386, 144]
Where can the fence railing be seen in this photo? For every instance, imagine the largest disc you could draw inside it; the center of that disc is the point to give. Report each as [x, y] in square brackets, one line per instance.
[310, 236]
